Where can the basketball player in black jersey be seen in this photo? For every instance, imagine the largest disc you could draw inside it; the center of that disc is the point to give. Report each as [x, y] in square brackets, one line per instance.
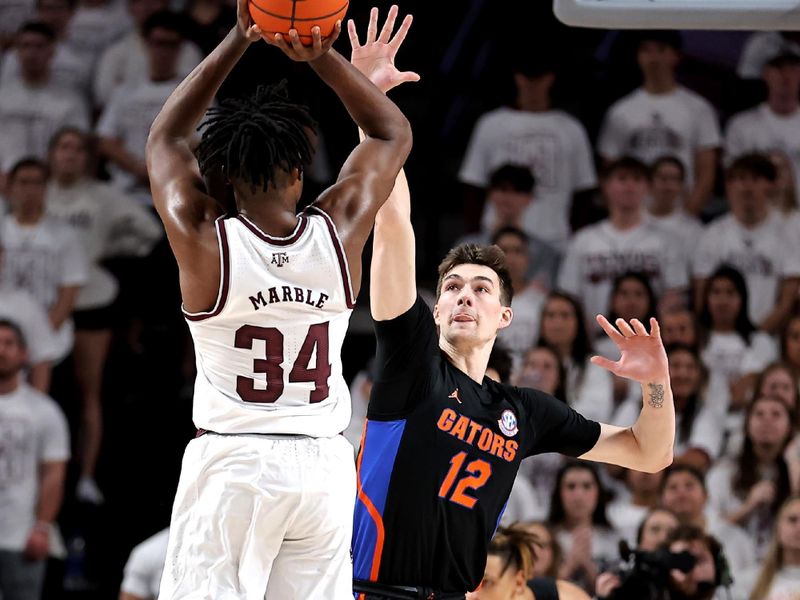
[442, 443]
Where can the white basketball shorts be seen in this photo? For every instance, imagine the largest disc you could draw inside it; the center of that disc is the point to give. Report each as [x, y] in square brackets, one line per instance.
[257, 517]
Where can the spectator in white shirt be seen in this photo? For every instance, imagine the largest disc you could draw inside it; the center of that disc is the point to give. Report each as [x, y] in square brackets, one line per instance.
[753, 238]
[663, 118]
[625, 241]
[626, 513]
[126, 120]
[550, 142]
[732, 349]
[96, 25]
[666, 206]
[748, 489]
[589, 388]
[142, 575]
[774, 124]
[126, 62]
[778, 575]
[35, 448]
[684, 492]
[33, 108]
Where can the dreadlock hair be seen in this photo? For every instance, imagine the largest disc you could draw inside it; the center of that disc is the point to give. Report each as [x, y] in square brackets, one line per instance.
[250, 138]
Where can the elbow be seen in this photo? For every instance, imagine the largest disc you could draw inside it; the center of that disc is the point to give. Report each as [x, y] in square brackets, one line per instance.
[659, 463]
[402, 135]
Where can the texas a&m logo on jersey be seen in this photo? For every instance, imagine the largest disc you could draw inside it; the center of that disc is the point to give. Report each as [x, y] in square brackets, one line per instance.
[508, 423]
[279, 258]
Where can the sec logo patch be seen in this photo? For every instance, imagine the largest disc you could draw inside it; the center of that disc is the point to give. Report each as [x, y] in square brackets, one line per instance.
[508, 423]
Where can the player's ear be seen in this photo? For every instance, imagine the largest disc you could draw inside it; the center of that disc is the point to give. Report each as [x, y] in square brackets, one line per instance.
[520, 582]
[505, 317]
[436, 313]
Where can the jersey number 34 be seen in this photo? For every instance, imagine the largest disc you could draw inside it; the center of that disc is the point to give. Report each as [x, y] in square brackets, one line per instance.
[271, 364]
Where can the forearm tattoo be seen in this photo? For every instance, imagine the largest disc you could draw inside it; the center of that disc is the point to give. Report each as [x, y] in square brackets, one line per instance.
[656, 395]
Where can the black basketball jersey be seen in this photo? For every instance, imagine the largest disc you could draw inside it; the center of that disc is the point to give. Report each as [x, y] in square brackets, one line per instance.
[438, 457]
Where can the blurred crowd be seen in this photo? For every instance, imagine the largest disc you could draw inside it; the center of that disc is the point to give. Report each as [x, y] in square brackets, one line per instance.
[630, 174]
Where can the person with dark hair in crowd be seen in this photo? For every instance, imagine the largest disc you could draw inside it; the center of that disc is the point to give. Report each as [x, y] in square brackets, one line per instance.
[34, 438]
[510, 571]
[748, 489]
[683, 491]
[550, 142]
[276, 414]
[664, 118]
[632, 297]
[710, 571]
[774, 125]
[589, 389]
[732, 349]
[34, 107]
[511, 189]
[754, 239]
[625, 241]
[126, 63]
[678, 326]
[209, 22]
[790, 341]
[667, 203]
[126, 119]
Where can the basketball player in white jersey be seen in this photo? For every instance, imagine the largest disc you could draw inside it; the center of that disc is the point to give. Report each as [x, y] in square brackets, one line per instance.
[265, 501]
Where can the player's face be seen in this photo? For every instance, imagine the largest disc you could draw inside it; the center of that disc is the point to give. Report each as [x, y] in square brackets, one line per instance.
[625, 191]
[780, 382]
[516, 251]
[35, 52]
[498, 584]
[469, 309]
[703, 570]
[541, 370]
[724, 302]
[631, 301]
[667, 185]
[26, 190]
[789, 526]
[792, 341]
[559, 322]
[579, 494]
[678, 328]
[656, 58]
[683, 495]
[684, 373]
[769, 423]
[69, 156]
[657, 529]
[748, 196]
[12, 354]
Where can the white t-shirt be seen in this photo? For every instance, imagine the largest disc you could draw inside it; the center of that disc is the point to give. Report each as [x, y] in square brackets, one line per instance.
[126, 64]
[726, 354]
[67, 71]
[540, 472]
[24, 310]
[555, 147]
[599, 253]
[523, 503]
[765, 255]
[127, 117]
[649, 126]
[626, 518]
[33, 430]
[737, 545]
[142, 574]
[759, 49]
[590, 390]
[108, 224]
[93, 28]
[683, 228]
[785, 584]
[761, 130]
[523, 332]
[29, 116]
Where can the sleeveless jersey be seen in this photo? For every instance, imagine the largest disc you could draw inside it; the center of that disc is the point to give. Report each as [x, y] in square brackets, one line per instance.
[269, 352]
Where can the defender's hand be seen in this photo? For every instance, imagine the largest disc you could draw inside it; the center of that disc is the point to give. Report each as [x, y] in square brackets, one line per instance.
[643, 357]
[301, 53]
[375, 59]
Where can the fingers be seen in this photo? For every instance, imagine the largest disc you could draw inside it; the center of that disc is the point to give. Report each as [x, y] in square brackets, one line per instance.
[655, 330]
[294, 38]
[254, 33]
[638, 327]
[372, 28]
[277, 40]
[408, 77]
[624, 328]
[316, 40]
[398, 38]
[608, 365]
[388, 26]
[615, 335]
[351, 30]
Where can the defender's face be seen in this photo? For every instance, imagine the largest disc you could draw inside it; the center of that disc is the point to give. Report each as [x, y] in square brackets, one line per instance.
[469, 309]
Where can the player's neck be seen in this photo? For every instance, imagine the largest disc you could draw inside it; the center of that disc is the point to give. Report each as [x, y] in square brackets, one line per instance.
[9, 384]
[273, 216]
[660, 84]
[471, 361]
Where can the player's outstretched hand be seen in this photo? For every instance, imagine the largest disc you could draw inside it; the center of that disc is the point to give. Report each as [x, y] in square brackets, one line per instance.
[296, 51]
[244, 22]
[643, 357]
[375, 58]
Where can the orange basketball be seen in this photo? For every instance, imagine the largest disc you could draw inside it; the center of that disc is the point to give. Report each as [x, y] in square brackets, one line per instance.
[279, 16]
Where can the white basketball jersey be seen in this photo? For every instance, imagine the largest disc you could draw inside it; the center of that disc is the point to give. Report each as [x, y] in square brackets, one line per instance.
[269, 351]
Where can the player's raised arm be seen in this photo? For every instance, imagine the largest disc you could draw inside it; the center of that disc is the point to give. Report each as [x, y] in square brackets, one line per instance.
[368, 175]
[393, 286]
[648, 444]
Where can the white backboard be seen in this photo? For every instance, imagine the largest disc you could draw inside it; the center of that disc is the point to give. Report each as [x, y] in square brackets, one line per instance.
[680, 14]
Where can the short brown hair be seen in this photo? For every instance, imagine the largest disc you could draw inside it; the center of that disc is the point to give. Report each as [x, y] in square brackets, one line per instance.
[475, 254]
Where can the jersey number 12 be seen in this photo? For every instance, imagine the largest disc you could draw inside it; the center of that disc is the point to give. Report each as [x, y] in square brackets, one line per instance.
[479, 473]
[270, 365]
